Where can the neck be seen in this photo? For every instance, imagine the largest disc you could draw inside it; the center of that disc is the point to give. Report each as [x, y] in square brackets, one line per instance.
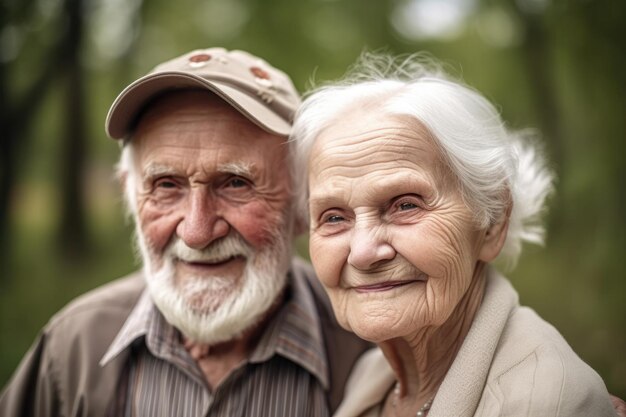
[219, 360]
[422, 360]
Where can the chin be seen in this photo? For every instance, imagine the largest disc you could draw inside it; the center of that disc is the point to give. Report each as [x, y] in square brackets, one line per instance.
[373, 327]
[217, 317]
[213, 310]
[373, 333]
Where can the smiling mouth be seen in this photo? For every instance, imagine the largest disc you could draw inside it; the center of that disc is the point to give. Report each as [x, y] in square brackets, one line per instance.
[384, 286]
[210, 264]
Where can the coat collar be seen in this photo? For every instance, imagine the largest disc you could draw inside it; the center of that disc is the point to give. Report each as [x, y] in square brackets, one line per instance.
[462, 387]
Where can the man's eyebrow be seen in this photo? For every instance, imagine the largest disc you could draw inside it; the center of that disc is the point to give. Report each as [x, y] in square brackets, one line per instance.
[157, 170]
[237, 168]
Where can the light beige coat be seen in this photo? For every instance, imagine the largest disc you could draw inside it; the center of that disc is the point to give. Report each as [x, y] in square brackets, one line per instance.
[512, 363]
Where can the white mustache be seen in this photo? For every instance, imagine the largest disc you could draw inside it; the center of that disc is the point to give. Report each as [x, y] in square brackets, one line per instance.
[228, 247]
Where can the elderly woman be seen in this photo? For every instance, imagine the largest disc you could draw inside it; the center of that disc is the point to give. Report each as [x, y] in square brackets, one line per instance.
[415, 187]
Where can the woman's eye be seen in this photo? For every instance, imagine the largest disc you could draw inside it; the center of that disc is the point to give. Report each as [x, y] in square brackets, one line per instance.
[334, 219]
[406, 203]
[407, 206]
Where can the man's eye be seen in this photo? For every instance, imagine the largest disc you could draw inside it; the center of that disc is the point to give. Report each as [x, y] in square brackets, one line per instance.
[166, 184]
[237, 183]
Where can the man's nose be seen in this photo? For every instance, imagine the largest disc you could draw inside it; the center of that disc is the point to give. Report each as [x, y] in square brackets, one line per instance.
[202, 222]
[369, 248]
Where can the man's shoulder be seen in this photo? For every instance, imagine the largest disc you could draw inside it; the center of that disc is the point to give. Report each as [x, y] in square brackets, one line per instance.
[62, 368]
[303, 270]
[113, 299]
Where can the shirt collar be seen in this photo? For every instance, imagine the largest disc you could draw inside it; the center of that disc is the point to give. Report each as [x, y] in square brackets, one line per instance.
[294, 332]
[136, 326]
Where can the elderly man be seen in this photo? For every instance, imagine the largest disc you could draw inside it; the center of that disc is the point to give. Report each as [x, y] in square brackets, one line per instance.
[221, 321]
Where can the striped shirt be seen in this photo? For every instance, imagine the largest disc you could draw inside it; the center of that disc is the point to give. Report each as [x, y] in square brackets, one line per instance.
[286, 374]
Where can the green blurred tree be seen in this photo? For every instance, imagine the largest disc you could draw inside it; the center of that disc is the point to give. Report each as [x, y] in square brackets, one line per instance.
[17, 109]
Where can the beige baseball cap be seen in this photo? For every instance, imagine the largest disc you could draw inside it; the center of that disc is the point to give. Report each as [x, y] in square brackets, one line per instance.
[262, 93]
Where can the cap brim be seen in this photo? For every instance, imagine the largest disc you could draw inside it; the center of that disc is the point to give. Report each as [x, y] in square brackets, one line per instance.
[131, 101]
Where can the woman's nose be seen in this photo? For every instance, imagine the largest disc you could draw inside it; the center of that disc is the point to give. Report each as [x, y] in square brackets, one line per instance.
[201, 224]
[369, 248]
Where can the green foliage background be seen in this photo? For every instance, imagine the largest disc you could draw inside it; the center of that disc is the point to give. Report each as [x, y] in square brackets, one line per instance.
[556, 66]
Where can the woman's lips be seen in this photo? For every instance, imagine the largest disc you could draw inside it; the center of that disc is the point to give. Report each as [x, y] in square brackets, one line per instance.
[383, 286]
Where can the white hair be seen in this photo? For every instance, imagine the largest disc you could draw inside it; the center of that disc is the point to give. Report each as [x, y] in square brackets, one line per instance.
[125, 169]
[493, 165]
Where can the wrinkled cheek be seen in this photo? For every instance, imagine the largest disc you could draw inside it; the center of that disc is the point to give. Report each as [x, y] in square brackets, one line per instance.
[460, 273]
[328, 261]
[425, 310]
[447, 260]
[157, 228]
[257, 223]
[439, 304]
[445, 295]
[339, 303]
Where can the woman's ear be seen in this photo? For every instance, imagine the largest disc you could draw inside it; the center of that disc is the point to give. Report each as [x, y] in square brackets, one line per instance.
[495, 236]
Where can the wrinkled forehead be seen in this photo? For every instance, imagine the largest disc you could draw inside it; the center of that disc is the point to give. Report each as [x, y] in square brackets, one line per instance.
[373, 155]
[360, 134]
[202, 118]
[197, 131]
[182, 107]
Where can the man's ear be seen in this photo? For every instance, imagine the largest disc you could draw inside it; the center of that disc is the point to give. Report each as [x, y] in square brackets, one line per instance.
[495, 236]
[122, 177]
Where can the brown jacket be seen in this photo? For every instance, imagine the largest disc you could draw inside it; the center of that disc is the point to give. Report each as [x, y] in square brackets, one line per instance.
[60, 374]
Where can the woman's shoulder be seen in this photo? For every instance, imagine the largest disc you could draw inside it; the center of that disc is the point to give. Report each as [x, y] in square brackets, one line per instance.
[370, 380]
[535, 372]
[528, 338]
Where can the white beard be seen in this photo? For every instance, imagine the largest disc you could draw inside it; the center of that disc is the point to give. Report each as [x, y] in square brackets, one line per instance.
[214, 309]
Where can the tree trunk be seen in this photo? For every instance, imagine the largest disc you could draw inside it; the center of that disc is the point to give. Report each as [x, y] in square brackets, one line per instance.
[73, 231]
[7, 159]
